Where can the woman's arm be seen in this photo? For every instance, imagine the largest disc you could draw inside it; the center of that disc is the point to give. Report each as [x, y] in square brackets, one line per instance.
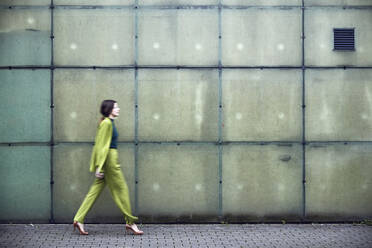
[101, 145]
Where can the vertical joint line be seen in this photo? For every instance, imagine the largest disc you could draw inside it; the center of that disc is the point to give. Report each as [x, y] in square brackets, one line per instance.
[51, 113]
[219, 34]
[303, 116]
[219, 112]
[136, 109]
[136, 140]
[136, 33]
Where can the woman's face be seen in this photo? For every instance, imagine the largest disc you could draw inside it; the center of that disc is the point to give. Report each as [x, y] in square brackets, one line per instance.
[115, 111]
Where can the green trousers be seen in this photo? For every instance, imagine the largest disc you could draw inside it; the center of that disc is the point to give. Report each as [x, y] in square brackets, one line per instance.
[118, 188]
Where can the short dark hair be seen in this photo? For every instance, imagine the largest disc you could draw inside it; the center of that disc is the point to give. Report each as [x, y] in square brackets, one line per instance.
[106, 107]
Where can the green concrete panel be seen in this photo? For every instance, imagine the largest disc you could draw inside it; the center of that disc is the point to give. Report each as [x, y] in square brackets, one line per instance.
[93, 37]
[338, 105]
[178, 182]
[338, 181]
[262, 182]
[78, 95]
[24, 2]
[178, 105]
[25, 37]
[338, 2]
[261, 37]
[72, 181]
[319, 41]
[169, 37]
[262, 105]
[25, 105]
[177, 2]
[262, 2]
[93, 2]
[25, 184]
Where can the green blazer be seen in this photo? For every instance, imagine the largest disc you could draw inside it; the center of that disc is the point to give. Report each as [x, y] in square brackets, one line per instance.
[101, 145]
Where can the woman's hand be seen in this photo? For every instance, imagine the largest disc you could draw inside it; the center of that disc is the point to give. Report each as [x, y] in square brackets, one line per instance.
[99, 175]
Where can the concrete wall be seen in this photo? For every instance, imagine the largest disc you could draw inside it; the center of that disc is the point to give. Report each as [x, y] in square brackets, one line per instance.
[231, 110]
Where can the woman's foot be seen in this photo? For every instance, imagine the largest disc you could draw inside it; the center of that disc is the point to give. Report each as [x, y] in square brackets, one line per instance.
[134, 229]
[80, 227]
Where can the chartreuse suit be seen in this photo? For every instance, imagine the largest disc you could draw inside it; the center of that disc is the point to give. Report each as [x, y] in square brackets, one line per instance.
[106, 159]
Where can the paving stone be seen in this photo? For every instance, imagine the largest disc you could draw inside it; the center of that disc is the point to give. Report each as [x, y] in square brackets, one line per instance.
[211, 236]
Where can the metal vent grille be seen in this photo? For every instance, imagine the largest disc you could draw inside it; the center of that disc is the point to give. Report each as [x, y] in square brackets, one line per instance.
[343, 39]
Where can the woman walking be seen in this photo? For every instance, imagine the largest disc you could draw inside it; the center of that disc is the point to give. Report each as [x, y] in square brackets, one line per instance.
[104, 162]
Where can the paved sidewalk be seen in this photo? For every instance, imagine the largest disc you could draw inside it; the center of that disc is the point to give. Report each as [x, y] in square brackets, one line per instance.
[212, 235]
